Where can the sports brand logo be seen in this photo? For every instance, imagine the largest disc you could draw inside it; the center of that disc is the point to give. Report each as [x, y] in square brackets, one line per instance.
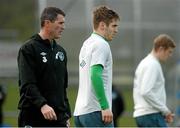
[59, 55]
[44, 59]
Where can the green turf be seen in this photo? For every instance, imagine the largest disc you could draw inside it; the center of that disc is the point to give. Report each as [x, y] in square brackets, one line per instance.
[11, 112]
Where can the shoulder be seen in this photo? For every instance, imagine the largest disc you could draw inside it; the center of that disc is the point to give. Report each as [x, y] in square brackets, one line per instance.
[147, 62]
[101, 44]
[98, 40]
[149, 59]
[152, 61]
[33, 40]
[28, 45]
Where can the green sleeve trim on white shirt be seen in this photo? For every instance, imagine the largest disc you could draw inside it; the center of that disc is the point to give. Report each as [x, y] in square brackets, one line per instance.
[97, 82]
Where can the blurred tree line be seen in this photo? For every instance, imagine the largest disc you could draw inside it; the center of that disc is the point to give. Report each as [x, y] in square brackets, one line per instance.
[18, 19]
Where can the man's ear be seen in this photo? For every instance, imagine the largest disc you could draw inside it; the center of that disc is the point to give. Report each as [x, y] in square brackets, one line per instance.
[161, 48]
[102, 25]
[47, 22]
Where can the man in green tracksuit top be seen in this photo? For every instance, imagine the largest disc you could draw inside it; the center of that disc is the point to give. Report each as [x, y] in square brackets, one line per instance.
[43, 77]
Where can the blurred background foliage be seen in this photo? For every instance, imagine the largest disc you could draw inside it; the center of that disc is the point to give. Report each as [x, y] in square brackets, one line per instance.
[18, 17]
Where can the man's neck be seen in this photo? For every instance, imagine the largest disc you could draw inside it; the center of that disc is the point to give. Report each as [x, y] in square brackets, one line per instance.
[155, 54]
[99, 33]
[44, 35]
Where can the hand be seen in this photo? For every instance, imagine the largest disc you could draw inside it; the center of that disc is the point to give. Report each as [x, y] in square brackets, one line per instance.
[68, 123]
[107, 116]
[48, 112]
[169, 117]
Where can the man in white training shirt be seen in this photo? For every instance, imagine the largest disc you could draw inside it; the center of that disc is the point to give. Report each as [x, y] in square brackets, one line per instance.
[94, 100]
[149, 94]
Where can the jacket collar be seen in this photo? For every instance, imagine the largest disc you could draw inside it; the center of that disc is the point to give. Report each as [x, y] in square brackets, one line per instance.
[45, 42]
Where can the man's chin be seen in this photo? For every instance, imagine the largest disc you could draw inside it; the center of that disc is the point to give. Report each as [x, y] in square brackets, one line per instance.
[109, 40]
[58, 37]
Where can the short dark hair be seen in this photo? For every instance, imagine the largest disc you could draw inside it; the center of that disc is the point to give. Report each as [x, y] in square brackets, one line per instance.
[105, 14]
[50, 13]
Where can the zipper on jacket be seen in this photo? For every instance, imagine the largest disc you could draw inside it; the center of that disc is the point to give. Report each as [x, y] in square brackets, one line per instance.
[52, 44]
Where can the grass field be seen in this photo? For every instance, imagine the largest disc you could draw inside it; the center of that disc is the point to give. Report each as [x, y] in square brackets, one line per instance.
[11, 112]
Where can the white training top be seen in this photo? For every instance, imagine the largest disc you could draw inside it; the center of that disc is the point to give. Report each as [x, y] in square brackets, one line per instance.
[95, 50]
[149, 88]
